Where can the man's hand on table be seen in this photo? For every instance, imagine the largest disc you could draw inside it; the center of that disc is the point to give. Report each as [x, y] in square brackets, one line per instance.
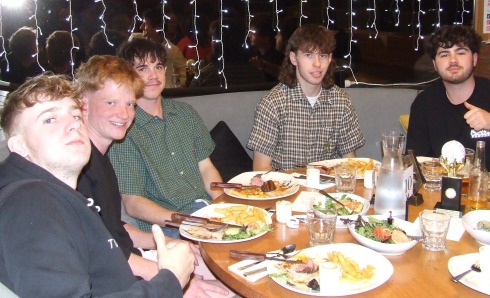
[176, 257]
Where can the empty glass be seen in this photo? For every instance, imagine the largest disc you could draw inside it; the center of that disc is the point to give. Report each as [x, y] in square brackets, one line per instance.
[321, 226]
[345, 178]
[434, 227]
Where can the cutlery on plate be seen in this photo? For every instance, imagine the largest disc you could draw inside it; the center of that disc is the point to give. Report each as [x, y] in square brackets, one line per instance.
[283, 252]
[322, 180]
[207, 226]
[202, 220]
[236, 254]
[334, 199]
[231, 185]
[474, 267]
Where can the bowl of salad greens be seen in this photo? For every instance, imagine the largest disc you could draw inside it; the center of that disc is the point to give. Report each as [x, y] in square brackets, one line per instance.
[477, 224]
[352, 206]
[388, 237]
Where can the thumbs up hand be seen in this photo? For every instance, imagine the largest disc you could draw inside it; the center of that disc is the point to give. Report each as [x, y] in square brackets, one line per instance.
[476, 117]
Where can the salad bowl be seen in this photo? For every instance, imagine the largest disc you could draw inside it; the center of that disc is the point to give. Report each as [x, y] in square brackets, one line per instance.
[470, 223]
[388, 247]
[358, 206]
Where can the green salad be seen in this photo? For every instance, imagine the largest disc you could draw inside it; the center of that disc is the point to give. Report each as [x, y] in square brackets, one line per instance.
[381, 231]
[238, 233]
[351, 206]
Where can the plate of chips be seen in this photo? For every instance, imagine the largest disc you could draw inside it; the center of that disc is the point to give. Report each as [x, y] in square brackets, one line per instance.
[362, 164]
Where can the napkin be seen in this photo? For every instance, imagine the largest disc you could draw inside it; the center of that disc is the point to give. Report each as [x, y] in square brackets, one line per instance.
[302, 181]
[455, 231]
[252, 278]
[304, 201]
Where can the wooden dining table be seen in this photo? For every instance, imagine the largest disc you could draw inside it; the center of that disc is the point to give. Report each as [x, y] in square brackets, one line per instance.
[417, 273]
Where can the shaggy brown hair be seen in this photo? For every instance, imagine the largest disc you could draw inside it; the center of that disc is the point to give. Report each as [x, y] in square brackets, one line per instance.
[309, 38]
[447, 36]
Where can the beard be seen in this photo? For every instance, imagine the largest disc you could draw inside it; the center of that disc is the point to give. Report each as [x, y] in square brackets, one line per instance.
[457, 78]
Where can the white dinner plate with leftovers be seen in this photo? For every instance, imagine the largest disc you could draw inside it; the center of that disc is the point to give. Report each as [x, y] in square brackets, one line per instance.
[285, 185]
[475, 280]
[361, 163]
[335, 261]
[256, 222]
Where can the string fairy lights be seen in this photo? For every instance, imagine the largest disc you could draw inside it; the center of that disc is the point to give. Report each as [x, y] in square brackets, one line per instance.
[249, 21]
[38, 32]
[3, 53]
[194, 22]
[136, 16]
[73, 47]
[164, 18]
[327, 9]
[372, 25]
[221, 58]
[101, 18]
[301, 14]
[417, 24]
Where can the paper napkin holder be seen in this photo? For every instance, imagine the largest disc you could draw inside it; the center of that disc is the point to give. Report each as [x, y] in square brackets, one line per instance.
[450, 197]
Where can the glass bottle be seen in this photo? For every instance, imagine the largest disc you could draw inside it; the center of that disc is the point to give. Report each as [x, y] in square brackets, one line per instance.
[390, 194]
[477, 193]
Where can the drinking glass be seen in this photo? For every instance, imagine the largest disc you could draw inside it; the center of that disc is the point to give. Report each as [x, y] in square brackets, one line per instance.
[434, 227]
[433, 172]
[345, 178]
[321, 226]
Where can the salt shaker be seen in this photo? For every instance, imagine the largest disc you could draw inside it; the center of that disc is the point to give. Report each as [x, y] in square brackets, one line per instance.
[369, 178]
[312, 176]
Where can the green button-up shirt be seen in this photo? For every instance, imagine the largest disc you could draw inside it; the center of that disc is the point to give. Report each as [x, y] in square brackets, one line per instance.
[159, 158]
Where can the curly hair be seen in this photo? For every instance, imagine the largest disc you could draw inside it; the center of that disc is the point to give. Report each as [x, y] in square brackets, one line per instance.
[142, 49]
[92, 75]
[447, 36]
[310, 37]
[42, 88]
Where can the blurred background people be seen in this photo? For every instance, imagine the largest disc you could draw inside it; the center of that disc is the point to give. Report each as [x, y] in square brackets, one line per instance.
[203, 41]
[61, 50]
[263, 38]
[99, 44]
[21, 61]
[237, 69]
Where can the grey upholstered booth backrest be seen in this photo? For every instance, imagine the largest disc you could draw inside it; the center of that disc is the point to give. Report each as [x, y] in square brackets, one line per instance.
[379, 110]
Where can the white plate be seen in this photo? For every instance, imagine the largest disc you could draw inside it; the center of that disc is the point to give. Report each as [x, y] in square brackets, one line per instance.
[362, 255]
[338, 195]
[244, 178]
[330, 163]
[209, 211]
[475, 280]
[388, 249]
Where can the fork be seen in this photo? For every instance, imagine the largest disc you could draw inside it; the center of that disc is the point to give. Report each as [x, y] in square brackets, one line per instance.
[474, 267]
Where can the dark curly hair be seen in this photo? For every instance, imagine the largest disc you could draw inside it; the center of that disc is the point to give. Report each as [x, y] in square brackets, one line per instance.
[142, 49]
[308, 38]
[447, 36]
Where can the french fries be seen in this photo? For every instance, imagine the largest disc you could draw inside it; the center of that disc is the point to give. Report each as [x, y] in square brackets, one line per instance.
[350, 269]
[241, 215]
[360, 164]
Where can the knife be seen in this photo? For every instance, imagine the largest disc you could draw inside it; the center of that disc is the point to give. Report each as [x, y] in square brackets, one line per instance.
[196, 219]
[230, 185]
[237, 254]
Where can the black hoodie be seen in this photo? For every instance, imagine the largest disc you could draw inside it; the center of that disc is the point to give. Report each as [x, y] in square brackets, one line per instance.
[53, 245]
